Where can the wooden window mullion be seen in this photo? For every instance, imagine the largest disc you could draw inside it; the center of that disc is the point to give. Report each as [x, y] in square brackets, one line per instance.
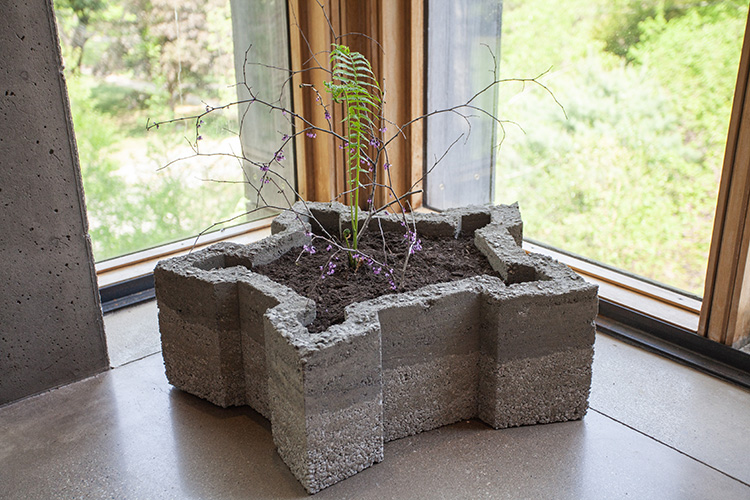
[725, 314]
[398, 27]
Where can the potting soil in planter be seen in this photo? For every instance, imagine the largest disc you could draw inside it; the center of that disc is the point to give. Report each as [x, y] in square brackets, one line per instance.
[441, 260]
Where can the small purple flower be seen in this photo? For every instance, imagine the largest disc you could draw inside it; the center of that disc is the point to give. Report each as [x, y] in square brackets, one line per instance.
[416, 247]
[375, 142]
[285, 137]
[389, 274]
[309, 249]
[328, 115]
[283, 112]
[266, 180]
[329, 269]
[328, 248]
[311, 135]
[200, 137]
[416, 244]
[377, 270]
[386, 166]
[265, 167]
[382, 130]
[280, 156]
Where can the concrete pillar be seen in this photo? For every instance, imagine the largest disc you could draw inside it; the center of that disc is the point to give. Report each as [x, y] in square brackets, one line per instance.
[51, 329]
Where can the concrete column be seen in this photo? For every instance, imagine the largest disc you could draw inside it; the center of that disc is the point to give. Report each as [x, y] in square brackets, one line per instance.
[51, 329]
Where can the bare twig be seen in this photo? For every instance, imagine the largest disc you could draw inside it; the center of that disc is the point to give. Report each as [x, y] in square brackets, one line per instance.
[375, 158]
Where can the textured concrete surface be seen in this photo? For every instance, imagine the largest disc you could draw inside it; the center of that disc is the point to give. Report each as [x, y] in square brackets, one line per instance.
[127, 434]
[692, 408]
[512, 352]
[51, 330]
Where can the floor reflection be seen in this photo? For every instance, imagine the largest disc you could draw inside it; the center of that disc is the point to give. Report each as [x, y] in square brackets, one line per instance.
[226, 453]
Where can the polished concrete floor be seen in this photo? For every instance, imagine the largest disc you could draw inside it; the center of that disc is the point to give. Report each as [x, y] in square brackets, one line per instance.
[655, 430]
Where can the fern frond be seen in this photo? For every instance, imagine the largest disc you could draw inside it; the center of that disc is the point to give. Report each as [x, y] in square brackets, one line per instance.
[354, 84]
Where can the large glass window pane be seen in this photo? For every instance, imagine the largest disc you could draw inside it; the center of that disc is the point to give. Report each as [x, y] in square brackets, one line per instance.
[135, 60]
[630, 176]
[463, 43]
[261, 49]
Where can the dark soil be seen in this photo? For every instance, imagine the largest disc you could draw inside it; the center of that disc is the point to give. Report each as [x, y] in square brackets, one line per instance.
[440, 260]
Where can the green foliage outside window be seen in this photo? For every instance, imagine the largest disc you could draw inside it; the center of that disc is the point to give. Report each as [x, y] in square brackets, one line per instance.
[126, 62]
[630, 178]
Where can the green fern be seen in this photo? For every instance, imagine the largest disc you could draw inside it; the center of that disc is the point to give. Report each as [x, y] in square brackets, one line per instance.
[354, 84]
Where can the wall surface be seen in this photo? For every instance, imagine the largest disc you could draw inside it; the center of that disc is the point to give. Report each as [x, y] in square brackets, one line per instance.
[51, 330]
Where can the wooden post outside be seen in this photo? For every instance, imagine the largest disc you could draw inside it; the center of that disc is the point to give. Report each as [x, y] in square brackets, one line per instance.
[397, 58]
[310, 38]
[402, 38]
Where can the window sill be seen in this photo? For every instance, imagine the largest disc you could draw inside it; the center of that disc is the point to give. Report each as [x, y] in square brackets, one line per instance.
[142, 263]
[630, 292]
[655, 318]
[627, 291]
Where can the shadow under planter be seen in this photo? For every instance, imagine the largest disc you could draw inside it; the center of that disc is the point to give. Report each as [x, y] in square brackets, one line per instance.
[511, 351]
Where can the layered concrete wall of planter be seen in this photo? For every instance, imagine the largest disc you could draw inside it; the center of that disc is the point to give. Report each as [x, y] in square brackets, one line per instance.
[511, 351]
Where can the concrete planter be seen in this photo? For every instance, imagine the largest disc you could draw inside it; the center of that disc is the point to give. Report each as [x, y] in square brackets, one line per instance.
[510, 352]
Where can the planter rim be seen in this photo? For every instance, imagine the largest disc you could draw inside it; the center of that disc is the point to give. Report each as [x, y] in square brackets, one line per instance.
[228, 262]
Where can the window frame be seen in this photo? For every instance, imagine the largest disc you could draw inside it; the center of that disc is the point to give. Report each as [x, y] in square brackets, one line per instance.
[725, 315]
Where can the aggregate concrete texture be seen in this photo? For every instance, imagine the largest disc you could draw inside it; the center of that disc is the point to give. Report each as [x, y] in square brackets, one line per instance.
[51, 329]
[514, 350]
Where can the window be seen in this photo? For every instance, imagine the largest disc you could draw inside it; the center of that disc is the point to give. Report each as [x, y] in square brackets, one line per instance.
[574, 177]
[628, 174]
[463, 47]
[128, 62]
[261, 36]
